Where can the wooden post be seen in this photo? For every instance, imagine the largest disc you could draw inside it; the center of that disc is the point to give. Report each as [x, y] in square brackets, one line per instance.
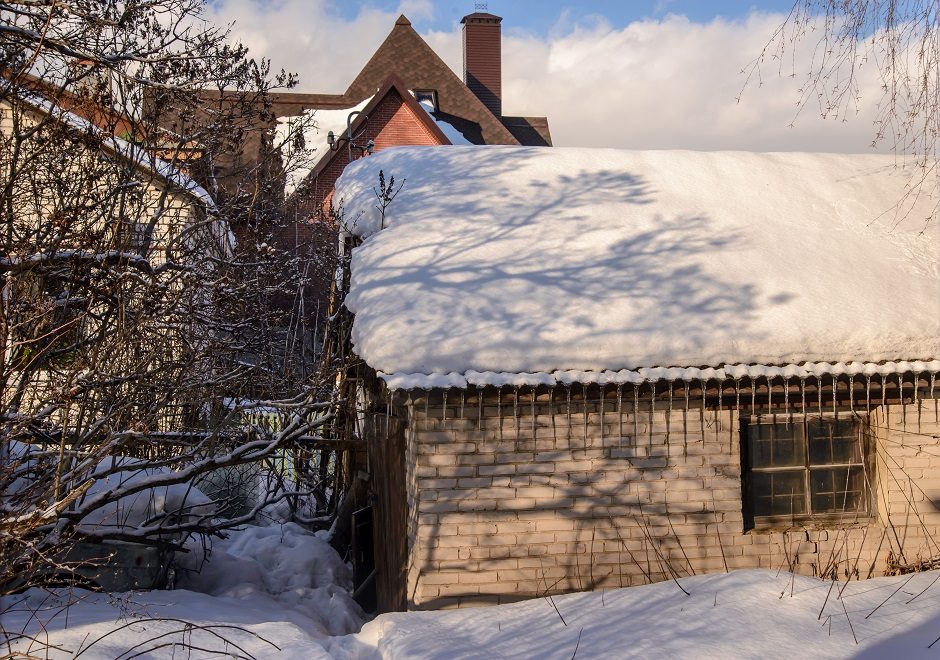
[385, 435]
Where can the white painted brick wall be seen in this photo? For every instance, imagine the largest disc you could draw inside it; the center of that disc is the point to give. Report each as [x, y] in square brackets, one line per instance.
[500, 513]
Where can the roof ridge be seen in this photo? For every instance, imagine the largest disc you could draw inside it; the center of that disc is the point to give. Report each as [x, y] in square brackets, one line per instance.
[495, 125]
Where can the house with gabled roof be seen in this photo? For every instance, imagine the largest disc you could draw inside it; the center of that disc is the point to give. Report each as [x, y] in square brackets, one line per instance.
[589, 368]
[406, 95]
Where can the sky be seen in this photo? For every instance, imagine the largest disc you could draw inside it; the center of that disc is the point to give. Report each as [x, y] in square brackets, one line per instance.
[653, 74]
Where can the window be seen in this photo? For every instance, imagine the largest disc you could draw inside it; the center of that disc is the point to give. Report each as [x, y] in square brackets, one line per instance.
[428, 97]
[806, 469]
[133, 235]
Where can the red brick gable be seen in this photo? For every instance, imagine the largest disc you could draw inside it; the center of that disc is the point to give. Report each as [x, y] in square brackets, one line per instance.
[393, 118]
[407, 55]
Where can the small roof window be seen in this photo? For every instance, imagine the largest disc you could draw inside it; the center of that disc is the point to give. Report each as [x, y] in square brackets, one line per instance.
[428, 98]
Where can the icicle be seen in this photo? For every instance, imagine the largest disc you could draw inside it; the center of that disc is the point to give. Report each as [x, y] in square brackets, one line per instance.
[819, 395]
[753, 395]
[685, 420]
[463, 401]
[636, 412]
[835, 393]
[603, 389]
[409, 402]
[803, 396]
[851, 394]
[884, 406]
[568, 406]
[668, 414]
[936, 403]
[903, 404]
[584, 409]
[652, 414]
[515, 410]
[388, 414]
[499, 410]
[916, 398]
[551, 412]
[737, 408]
[427, 403]
[786, 400]
[770, 400]
[480, 406]
[444, 411]
[868, 393]
[532, 409]
[620, 413]
[721, 391]
[701, 416]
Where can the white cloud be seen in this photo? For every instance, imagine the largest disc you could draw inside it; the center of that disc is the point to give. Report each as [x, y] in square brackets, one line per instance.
[416, 9]
[655, 84]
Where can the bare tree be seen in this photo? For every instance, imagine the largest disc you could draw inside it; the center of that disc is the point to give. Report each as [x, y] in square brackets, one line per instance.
[900, 39]
[137, 349]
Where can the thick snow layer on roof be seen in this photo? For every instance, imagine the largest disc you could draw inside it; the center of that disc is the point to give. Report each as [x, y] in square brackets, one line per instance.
[523, 259]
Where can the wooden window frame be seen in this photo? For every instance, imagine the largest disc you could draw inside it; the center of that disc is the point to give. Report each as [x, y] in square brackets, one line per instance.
[809, 519]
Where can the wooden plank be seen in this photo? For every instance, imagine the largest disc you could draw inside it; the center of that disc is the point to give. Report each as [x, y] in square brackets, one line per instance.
[386, 440]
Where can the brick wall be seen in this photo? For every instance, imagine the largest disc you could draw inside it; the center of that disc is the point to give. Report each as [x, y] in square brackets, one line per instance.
[503, 508]
[391, 124]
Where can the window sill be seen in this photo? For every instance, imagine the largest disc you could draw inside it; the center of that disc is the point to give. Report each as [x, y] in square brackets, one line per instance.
[820, 522]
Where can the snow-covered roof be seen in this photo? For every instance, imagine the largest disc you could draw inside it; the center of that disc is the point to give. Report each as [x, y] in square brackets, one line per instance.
[315, 125]
[448, 129]
[536, 262]
[139, 156]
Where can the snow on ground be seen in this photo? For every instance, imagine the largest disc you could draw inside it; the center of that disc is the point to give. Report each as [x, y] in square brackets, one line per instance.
[275, 592]
[516, 259]
[743, 614]
[281, 592]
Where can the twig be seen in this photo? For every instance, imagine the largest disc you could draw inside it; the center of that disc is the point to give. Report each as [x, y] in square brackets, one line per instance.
[845, 609]
[892, 594]
[828, 593]
[577, 644]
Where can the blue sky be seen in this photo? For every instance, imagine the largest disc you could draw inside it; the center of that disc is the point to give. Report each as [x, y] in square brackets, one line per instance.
[542, 17]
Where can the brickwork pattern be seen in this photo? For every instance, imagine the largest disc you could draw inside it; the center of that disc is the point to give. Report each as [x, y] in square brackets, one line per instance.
[520, 499]
[390, 124]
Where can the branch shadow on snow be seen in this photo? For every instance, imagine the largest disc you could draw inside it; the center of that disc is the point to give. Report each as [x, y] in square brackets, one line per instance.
[483, 277]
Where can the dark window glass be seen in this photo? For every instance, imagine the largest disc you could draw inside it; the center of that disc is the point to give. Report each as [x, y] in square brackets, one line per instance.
[832, 441]
[776, 445]
[837, 489]
[779, 493]
[806, 467]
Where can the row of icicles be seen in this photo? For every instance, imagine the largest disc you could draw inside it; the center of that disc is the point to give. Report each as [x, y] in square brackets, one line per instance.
[917, 395]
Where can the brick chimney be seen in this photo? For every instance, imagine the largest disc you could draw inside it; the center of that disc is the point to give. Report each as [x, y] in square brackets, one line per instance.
[482, 59]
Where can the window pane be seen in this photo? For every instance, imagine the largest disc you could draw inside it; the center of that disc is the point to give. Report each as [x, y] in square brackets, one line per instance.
[778, 493]
[776, 445]
[837, 489]
[833, 442]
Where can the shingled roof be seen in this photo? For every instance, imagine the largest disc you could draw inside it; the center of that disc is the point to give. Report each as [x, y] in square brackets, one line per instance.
[405, 54]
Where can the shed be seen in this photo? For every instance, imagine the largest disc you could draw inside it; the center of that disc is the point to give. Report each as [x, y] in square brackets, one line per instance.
[595, 368]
